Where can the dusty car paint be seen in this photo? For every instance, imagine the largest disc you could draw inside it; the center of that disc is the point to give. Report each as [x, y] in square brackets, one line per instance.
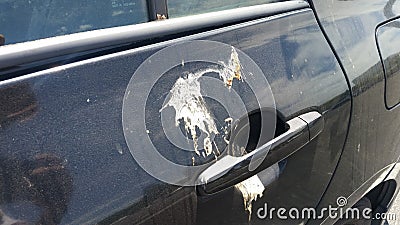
[350, 27]
[76, 121]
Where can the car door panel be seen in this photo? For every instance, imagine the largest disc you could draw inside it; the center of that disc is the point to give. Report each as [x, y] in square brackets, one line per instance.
[372, 147]
[62, 126]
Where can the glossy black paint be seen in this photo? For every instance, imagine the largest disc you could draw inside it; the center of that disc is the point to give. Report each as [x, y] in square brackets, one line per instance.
[372, 145]
[67, 161]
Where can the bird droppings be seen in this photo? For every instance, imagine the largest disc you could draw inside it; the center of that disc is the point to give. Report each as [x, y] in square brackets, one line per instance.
[161, 17]
[28, 182]
[228, 120]
[119, 148]
[226, 140]
[226, 128]
[190, 107]
[232, 70]
[191, 110]
[251, 189]
[208, 146]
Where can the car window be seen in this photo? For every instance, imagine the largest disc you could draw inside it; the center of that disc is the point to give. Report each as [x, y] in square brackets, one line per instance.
[25, 20]
[179, 8]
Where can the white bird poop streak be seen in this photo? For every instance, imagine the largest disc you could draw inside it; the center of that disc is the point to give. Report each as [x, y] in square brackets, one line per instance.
[190, 107]
[251, 189]
[189, 104]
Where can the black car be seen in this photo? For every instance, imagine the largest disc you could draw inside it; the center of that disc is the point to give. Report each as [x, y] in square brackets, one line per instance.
[199, 112]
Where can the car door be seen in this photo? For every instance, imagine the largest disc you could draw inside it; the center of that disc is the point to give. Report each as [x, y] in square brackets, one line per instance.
[208, 116]
[364, 37]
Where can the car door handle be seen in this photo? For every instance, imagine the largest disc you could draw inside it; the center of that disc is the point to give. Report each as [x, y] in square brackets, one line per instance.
[230, 170]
